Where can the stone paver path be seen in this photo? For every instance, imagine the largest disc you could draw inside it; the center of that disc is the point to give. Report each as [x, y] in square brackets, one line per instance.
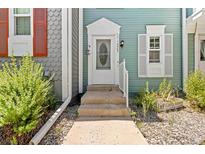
[112, 130]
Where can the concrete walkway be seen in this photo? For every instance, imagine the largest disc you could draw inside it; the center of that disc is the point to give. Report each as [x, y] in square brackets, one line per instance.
[112, 130]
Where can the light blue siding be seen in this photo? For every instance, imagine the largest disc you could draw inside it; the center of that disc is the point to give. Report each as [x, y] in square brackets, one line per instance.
[133, 22]
[189, 12]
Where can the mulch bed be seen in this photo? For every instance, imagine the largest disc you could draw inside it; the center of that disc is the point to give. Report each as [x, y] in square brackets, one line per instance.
[5, 132]
[179, 126]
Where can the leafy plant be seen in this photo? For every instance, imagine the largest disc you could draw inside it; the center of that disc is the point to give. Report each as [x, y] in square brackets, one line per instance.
[195, 88]
[24, 95]
[133, 114]
[165, 89]
[147, 100]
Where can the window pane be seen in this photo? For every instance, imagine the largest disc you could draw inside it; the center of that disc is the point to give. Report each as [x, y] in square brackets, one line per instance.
[21, 11]
[103, 55]
[151, 45]
[152, 39]
[156, 45]
[157, 39]
[202, 51]
[155, 42]
[22, 26]
[154, 56]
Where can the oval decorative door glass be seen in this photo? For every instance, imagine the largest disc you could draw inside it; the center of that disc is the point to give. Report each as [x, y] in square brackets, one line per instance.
[103, 54]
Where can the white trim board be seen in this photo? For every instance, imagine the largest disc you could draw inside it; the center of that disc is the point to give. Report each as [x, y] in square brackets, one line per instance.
[66, 53]
[184, 46]
[80, 50]
[196, 39]
[70, 52]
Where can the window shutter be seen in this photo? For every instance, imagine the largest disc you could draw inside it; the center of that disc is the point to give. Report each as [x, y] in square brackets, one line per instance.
[40, 32]
[4, 32]
[142, 55]
[168, 72]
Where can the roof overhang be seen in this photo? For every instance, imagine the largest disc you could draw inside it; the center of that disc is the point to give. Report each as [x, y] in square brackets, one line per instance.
[196, 20]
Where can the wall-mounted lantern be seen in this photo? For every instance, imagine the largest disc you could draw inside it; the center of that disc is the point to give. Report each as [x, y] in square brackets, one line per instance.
[122, 43]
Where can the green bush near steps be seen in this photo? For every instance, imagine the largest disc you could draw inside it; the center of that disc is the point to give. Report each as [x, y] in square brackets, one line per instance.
[195, 88]
[147, 100]
[24, 96]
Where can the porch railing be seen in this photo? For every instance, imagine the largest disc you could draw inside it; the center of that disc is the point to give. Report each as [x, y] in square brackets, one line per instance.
[123, 77]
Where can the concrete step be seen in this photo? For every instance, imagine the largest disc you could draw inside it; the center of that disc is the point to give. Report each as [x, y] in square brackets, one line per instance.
[103, 97]
[103, 110]
[103, 87]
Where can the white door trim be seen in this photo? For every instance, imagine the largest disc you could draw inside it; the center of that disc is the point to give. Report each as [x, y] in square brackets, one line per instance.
[103, 27]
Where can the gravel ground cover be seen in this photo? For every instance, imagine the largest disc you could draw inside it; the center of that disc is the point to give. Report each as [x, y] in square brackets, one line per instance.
[60, 129]
[185, 126]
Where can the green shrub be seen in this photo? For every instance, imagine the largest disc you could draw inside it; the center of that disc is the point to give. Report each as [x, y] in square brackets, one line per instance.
[24, 95]
[195, 88]
[147, 100]
[165, 89]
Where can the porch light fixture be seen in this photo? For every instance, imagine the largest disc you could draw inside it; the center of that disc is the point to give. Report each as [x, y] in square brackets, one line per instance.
[122, 43]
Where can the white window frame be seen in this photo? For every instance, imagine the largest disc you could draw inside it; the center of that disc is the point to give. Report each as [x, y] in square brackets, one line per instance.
[20, 15]
[160, 49]
[155, 69]
[20, 45]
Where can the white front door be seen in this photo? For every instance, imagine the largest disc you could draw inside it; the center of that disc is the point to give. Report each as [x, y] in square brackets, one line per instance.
[103, 52]
[202, 54]
[103, 60]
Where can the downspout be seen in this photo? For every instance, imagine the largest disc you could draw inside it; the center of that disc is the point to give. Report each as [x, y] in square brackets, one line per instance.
[184, 47]
[80, 50]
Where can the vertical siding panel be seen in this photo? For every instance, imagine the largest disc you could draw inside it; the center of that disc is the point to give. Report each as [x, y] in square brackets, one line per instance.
[75, 51]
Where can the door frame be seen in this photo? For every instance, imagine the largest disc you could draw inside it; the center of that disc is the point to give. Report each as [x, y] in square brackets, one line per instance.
[103, 28]
[113, 54]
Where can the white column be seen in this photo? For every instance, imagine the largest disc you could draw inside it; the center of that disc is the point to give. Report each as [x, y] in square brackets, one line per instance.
[66, 53]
